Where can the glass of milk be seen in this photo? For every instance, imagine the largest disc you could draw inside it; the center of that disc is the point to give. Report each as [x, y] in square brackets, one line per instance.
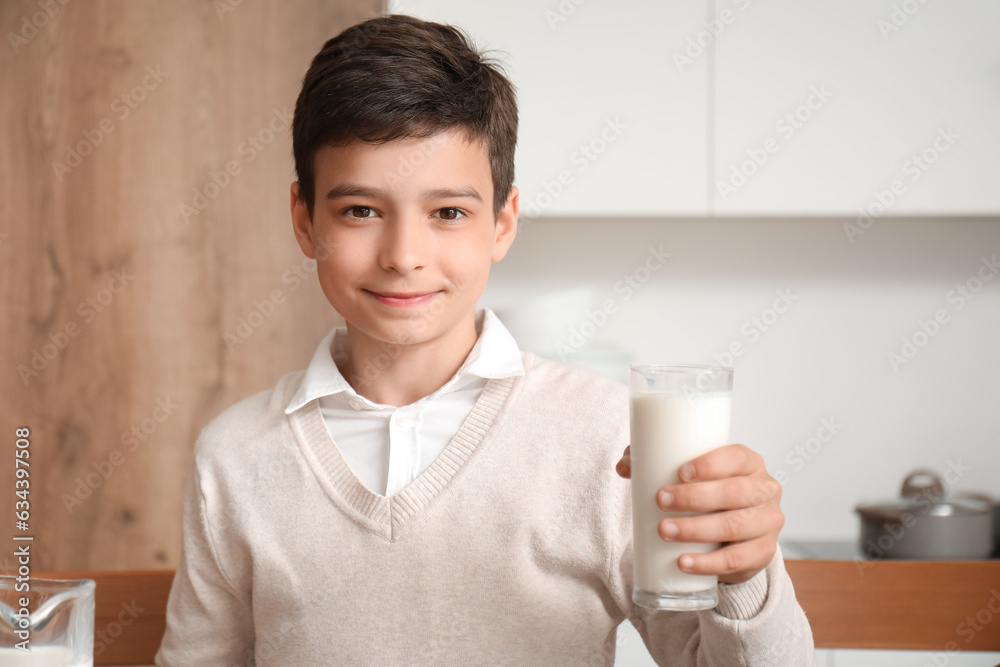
[52, 618]
[678, 412]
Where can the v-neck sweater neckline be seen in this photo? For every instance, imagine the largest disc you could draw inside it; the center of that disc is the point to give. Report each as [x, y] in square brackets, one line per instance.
[386, 516]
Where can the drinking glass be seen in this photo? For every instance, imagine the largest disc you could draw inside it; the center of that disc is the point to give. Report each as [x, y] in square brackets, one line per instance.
[677, 412]
[54, 616]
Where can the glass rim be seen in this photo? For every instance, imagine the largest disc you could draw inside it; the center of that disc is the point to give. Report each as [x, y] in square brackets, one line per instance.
[680, 368]
[48, 582]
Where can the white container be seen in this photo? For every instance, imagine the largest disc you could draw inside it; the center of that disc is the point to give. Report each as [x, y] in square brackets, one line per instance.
[42, 656]
[677, 413]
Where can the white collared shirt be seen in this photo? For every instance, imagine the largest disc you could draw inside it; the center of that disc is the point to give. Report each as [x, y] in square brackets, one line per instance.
[386, 446]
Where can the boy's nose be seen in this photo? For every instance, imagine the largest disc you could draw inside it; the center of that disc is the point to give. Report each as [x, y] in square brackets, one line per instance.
[404, 245]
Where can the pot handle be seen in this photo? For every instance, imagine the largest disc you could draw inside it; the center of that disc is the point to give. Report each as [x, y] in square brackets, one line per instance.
[933, 488]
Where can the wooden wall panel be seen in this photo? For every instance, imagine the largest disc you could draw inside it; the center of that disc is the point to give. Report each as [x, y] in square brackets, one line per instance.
[113, 115]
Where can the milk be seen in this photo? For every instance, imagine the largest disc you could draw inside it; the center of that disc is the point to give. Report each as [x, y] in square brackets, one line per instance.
[667, 430]
[42, 656]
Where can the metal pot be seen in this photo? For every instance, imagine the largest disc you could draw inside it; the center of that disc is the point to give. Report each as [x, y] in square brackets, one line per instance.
[996, 529]
[925, 524]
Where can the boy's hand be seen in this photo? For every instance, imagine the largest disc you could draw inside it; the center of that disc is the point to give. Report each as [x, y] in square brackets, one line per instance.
[732, 483]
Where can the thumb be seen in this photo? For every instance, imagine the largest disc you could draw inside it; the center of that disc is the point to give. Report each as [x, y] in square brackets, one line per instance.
[624, 465]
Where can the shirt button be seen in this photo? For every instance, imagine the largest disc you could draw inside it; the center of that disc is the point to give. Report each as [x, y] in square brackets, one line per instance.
[356, 404]
[403, 420]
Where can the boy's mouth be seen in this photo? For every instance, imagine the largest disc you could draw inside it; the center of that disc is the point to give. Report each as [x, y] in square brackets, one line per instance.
[402, 298]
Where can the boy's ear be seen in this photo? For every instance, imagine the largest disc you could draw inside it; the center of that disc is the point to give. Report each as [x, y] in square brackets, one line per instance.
[302, 223]
[506, 225]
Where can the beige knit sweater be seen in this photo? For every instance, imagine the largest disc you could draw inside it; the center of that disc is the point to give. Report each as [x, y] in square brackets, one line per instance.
[512, 548]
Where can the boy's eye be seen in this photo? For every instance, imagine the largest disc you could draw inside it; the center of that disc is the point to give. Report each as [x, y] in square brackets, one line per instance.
[364, 210]
[452, 214]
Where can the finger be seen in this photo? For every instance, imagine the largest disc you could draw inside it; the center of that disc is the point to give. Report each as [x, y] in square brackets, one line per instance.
[722, 462]
[624, 465]
[724, 494]
[730, 526]
[732, 559]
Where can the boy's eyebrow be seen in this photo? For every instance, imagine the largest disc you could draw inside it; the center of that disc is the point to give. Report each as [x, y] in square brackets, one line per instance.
[352, 190]
[452, 193]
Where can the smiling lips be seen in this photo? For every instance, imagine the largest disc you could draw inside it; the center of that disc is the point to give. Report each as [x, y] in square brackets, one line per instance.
[402, 298]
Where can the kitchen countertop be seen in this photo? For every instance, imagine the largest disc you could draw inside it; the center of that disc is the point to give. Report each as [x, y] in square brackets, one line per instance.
[850, 602]
[837, 550]
[894, 603]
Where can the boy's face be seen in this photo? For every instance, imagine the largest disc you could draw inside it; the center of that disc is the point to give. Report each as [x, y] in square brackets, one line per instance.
[410, 217]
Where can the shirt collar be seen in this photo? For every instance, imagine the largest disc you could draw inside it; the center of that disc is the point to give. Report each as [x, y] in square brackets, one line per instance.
[495, 355]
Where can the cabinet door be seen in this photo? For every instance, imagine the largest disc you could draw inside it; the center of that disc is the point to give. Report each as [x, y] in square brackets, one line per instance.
[883, 106]
[609, 124]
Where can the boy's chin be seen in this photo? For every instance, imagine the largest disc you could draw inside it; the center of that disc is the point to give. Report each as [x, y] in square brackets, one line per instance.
[401, 331]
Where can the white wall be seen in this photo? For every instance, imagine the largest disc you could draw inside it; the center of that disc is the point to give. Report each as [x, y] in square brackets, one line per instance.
[825, 358]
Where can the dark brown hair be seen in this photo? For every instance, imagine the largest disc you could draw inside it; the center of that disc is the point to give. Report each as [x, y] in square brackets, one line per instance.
[395, 77]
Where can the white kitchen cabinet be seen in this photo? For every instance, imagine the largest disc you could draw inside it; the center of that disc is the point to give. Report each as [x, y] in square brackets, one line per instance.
[745, 107]
[609, 125]
[888, 106]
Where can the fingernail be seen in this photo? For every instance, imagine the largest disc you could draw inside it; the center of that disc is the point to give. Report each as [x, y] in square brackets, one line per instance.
[665, 499]
[687, 471]
[670, 531]
[686, 562]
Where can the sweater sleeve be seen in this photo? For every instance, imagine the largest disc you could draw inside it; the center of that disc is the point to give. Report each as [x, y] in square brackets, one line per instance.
[209, 620]
[757, 623]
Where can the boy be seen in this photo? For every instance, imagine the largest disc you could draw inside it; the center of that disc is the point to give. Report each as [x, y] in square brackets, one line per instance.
[424, 493]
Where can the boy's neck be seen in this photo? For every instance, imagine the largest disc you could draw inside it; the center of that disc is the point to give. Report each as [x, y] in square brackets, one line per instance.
[413, 372]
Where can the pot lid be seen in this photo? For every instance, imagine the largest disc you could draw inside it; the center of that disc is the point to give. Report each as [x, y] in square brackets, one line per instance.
[923, 493]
